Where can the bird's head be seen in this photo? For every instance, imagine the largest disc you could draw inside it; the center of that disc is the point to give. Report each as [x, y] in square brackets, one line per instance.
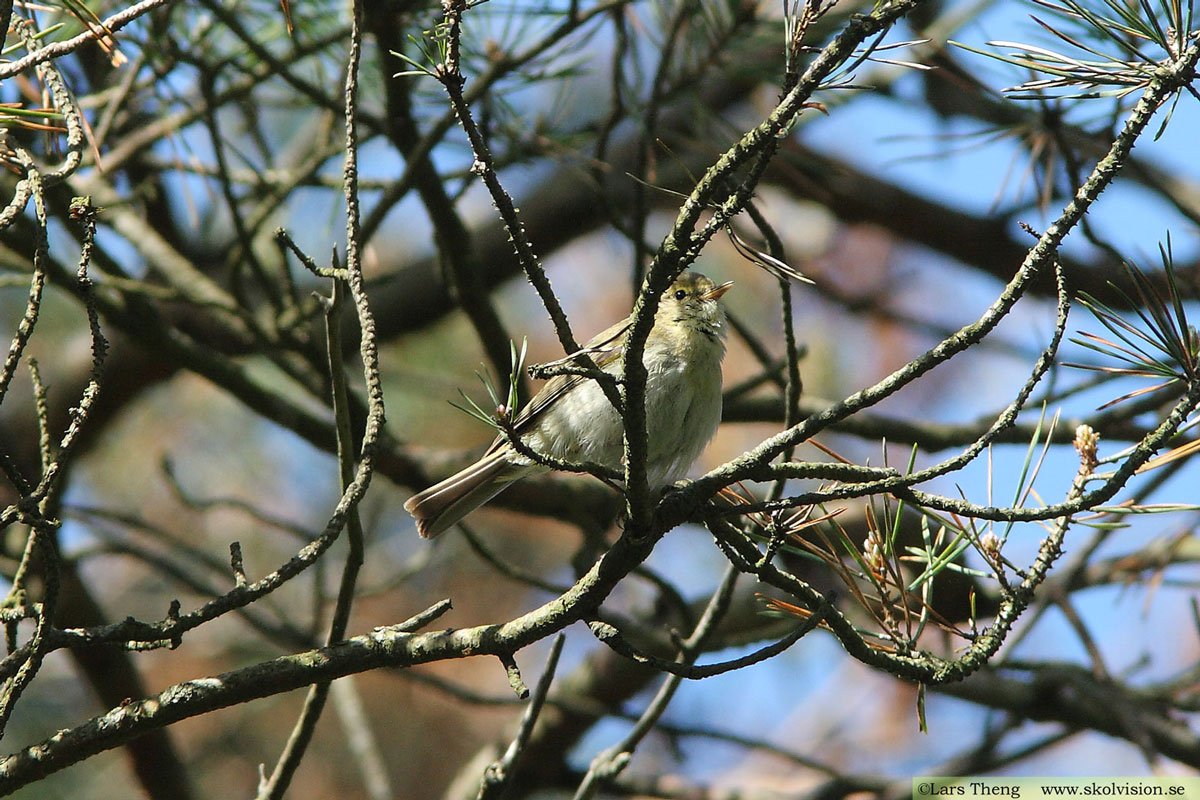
[692, 302]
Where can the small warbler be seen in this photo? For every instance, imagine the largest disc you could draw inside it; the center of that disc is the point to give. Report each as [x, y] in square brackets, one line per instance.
[571, 419]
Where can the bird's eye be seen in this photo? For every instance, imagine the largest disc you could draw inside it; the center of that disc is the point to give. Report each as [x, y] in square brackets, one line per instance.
[680, 294]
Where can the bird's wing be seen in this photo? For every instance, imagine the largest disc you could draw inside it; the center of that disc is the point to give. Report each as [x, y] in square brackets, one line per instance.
[604, 348]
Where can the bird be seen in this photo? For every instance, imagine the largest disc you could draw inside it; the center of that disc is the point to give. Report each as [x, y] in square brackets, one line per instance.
[572, 420]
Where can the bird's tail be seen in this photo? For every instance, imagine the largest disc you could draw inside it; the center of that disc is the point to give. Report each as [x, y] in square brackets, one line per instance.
[440, 506]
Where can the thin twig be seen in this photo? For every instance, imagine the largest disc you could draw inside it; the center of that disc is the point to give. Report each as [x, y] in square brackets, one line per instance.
[57, 49]
[498, 774]
[275, 786]
[609, 763]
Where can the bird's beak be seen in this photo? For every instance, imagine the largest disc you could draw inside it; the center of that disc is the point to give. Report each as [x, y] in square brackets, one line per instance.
[716, 292]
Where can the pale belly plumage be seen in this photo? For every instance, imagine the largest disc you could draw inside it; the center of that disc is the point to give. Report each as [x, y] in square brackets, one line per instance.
[583, 425]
